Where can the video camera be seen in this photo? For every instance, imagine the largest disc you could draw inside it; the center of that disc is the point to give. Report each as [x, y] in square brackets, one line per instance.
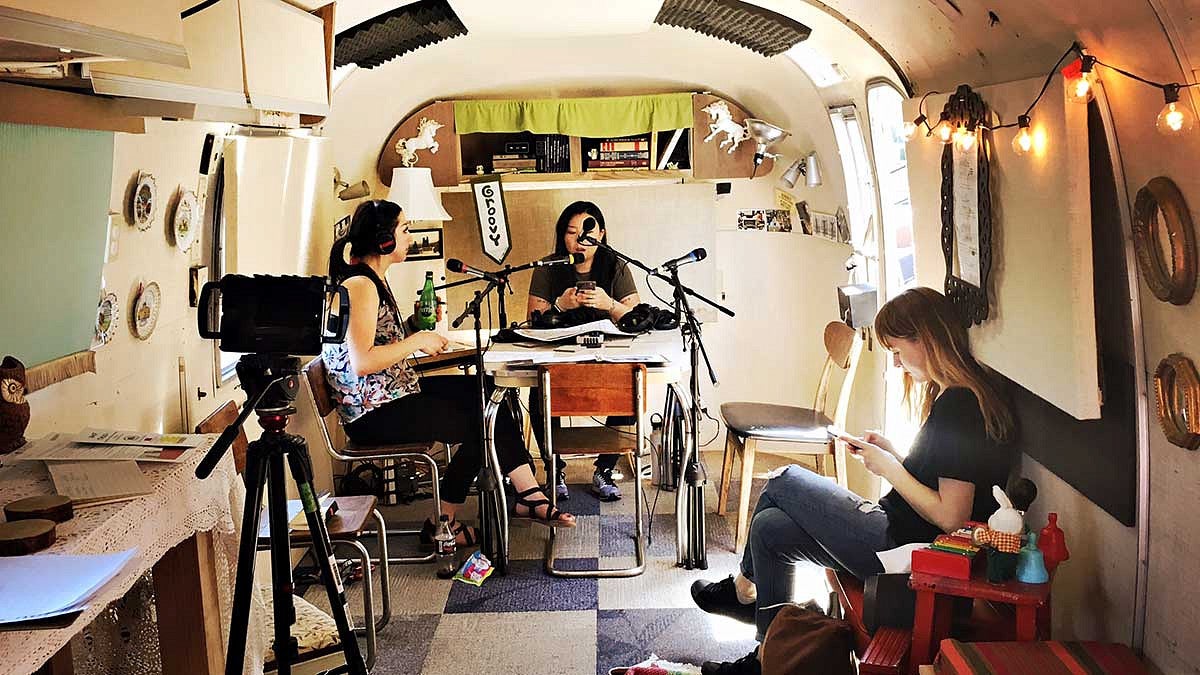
[268, 319]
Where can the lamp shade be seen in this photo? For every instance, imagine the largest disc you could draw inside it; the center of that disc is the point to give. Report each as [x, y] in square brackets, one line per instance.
[412, 189]
[812, 173]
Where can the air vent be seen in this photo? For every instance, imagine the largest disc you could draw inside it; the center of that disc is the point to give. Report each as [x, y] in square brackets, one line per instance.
[741, 23]
[395, 33]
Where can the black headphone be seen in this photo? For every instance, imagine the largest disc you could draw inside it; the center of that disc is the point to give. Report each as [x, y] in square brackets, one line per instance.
[638, 320]
[385, 235]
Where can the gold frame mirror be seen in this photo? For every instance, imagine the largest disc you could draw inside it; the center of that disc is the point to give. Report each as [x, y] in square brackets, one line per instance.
[1177, 392]
[1159, 210]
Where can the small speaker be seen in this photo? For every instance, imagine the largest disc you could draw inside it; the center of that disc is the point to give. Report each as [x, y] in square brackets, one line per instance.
[857, 304]
[724, 188]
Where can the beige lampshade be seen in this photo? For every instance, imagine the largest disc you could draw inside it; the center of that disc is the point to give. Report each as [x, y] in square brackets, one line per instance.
[412, 189]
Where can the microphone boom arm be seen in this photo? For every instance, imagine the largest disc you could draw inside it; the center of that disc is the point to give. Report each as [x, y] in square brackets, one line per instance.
[674, 281]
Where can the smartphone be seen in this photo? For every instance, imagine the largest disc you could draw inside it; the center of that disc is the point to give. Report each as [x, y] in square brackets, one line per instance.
[853, 442]
[585, 286]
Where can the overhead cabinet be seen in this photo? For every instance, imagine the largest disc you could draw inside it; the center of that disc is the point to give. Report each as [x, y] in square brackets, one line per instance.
[129, 29]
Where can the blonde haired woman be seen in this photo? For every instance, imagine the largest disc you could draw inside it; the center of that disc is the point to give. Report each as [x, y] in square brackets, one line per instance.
[962, 449]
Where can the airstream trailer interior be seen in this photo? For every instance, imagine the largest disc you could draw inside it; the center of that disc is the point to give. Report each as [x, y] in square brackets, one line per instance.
[638, 336]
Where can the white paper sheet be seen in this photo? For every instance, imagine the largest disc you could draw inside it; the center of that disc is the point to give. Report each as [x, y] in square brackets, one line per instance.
[94, 483]
[899, 560]
[46, 585]
[110, 437]
[59, 447]
[605, 326]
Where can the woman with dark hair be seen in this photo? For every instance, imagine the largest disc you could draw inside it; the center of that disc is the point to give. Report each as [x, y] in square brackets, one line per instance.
[962, 449]
[381, 399]
[607, 291]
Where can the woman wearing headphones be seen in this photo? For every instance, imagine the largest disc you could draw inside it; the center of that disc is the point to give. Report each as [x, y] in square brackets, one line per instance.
[380, 398]
[600, 287]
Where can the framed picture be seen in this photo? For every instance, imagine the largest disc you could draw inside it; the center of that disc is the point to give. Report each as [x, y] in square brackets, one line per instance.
[342, 227]
[427, 245]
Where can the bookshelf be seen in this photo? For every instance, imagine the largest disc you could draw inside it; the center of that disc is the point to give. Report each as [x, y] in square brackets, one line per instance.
[534, 161]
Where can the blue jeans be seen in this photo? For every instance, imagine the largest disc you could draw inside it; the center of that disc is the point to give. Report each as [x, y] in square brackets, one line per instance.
[806, 520]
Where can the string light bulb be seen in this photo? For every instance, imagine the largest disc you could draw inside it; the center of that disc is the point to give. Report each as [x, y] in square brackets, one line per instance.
[964, 138]
[910, 128]
[1175, 118]
[1023, 141]
[1081, 79]
[944, 131]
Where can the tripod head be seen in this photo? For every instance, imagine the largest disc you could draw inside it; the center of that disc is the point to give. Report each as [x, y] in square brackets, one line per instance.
[271, 379]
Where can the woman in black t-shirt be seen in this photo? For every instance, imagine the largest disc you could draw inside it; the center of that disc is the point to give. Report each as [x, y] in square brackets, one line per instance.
[553, 288]
[960, 452]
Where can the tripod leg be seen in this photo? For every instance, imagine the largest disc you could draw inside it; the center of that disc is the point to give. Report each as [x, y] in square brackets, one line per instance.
[254, 477]
[301, 466]
[282, 587]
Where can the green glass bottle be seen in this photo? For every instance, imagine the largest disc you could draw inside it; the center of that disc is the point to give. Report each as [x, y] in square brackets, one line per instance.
[427, 314]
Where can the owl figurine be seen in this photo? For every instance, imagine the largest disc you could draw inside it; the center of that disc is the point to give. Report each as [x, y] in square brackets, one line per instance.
[14, 409]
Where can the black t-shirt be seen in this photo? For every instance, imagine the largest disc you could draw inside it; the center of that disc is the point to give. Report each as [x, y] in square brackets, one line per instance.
[951, 444]
[548, 286]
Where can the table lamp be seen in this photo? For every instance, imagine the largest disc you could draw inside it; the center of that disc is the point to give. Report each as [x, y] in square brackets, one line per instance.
[412, 189]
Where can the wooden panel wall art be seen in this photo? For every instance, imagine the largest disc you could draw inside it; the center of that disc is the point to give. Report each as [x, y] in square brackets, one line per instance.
[967, 204]
[1162, 226]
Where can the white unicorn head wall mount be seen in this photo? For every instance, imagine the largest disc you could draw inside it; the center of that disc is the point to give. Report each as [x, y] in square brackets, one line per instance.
[721, 120]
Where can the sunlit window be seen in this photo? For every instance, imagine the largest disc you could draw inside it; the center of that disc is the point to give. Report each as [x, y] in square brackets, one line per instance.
[860, 186]
[818, 67]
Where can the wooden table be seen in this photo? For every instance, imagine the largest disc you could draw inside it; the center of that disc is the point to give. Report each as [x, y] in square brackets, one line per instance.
[180, 531]
[935, 604]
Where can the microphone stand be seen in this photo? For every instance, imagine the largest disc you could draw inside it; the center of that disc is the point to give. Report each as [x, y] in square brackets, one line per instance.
[690, 532]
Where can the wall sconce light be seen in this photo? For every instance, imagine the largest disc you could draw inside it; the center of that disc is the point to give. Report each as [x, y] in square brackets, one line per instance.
[346, 191]
[765, 135]
[808, 167]
[412, 189]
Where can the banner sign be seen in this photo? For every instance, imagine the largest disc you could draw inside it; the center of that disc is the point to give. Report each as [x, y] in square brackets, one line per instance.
[493, 218]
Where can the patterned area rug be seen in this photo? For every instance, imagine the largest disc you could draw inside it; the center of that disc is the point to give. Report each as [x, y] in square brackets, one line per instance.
[530, 622]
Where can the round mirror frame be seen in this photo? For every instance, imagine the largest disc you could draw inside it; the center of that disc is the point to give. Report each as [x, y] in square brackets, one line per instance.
[1176, 378]
[1174, 283]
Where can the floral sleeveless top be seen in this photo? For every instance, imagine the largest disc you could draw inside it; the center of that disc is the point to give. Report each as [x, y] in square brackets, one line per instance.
[356, 396]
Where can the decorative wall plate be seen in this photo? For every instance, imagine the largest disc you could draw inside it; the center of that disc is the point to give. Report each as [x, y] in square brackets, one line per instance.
[106, 318]
[1177, 393]
[1165, 241]
[145, 310]
[144, 201]
[185, 220]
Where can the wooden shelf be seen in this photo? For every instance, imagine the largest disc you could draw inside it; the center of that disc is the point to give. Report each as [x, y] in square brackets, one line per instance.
[596, 179]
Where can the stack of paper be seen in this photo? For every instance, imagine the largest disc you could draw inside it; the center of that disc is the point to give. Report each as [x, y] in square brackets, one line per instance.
[36, 587]
[93, 483]
[119, 445]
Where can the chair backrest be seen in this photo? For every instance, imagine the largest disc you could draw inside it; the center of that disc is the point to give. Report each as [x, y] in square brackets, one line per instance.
[844, 348]
[593, 388]
[322, 399]
[216, 422]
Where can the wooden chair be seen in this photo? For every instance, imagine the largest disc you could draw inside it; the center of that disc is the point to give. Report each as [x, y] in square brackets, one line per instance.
[216, 422]
[595, 389]
[747, 423]
[315, 377]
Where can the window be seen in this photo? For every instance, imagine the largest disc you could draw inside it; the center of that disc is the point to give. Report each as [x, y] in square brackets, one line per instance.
[885, 107]
[223, 362]
[860, 186]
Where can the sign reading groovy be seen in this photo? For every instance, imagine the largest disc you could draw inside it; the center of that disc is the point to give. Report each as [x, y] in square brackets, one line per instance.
[493, 218]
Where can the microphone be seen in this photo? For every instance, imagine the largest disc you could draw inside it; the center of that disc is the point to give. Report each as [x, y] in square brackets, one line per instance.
[458, 266]
[565, 259]
[589, 224]
[695, 256]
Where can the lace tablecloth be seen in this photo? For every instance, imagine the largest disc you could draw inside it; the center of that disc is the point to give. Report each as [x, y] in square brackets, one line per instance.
[180, 506]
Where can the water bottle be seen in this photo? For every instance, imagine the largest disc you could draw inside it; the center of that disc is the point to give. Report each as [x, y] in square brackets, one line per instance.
[447, 562]
[427, 314]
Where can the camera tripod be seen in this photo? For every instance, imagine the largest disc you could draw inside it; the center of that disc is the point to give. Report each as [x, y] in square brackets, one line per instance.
[271, 383]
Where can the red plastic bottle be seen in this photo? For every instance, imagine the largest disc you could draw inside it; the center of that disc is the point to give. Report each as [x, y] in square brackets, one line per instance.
[1053, 544]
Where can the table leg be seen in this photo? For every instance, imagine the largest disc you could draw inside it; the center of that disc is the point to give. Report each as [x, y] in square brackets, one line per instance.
[931, 624]
[1026, 623]
[189, 615]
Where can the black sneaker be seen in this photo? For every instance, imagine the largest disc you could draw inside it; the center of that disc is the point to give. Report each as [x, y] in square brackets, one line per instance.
[720, 597]
[747, 665]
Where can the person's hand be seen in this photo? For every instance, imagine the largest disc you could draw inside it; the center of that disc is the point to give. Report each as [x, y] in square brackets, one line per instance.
[596, 298]
[568, 300]
[876, 438]
[430, 342]
[876, 459]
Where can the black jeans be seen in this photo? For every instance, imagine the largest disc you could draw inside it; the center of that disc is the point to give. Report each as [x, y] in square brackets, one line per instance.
[446, 410]
[537, 421]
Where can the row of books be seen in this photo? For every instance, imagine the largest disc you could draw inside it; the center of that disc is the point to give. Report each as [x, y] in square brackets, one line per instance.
[626, 152]
[552, 154]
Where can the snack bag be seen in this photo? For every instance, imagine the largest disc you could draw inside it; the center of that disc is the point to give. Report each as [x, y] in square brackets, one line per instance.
[475, 569]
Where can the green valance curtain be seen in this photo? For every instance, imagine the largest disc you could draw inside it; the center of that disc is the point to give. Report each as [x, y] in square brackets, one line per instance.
[587, 117]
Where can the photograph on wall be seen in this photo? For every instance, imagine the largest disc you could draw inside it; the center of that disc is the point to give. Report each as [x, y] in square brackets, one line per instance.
[804, 217]
[771, 220]
[342, 227]
[427, 245]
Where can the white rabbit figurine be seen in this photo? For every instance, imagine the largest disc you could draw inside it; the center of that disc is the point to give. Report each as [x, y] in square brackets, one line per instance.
[1006, 518]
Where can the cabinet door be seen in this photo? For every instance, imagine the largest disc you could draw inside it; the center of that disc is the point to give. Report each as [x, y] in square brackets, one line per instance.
[709, 160]
[445, 164]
